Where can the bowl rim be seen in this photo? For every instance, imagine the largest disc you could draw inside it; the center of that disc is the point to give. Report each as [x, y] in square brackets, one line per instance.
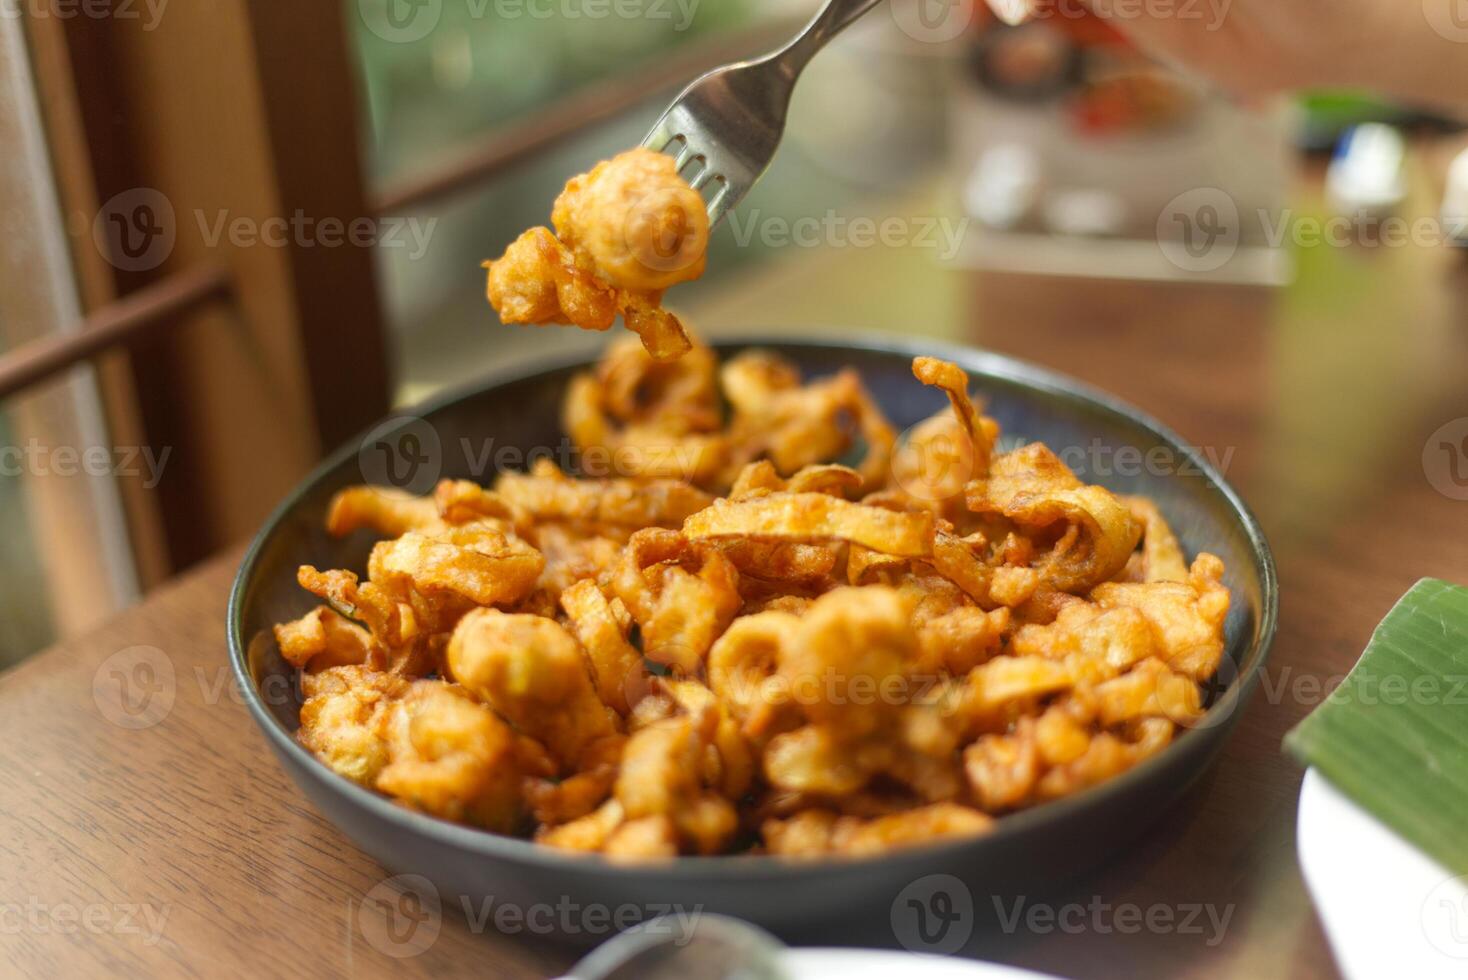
[485, 844]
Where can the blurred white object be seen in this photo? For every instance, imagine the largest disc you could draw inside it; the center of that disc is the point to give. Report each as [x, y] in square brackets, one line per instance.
[1004, 185]
[1366, 178]
[881, 964]
[722, 946]
[1086, 211]
[1455, 202]
[1388, 909]
[1012, 12]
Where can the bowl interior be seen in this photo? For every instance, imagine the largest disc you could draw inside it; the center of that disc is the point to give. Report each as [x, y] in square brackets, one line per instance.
[505, 421]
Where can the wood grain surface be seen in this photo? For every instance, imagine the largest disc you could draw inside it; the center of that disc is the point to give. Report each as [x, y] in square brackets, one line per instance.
[180, 848]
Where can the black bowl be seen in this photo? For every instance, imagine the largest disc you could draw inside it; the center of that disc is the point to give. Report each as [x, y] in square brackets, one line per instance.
[470, 433]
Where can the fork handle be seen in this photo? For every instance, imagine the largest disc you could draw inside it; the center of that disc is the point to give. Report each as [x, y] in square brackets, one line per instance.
[835, 17]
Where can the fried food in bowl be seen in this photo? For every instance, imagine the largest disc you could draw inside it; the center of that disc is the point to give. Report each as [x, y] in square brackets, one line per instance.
[461, 788]
[766, 626]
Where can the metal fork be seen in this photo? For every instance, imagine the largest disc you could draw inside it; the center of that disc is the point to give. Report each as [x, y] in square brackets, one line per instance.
[730, 121]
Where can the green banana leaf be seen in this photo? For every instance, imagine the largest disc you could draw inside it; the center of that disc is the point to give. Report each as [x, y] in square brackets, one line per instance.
[1394, 735]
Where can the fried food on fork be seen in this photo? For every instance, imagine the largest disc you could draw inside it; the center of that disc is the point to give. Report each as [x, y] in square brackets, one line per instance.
[624, 233]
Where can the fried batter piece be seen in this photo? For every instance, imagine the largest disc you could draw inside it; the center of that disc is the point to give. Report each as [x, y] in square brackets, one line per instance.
[662, 780]
[814, 833]
[533, 674]
[741, 671]
[663, 429]
[812, 517]
[775, 417]
[602, 627]
[342, 719]
[613, 507]
[1106, 757]
[426, 743]
[477, 564]
[625, 232]
[760, 478]
[682, 595]
[1160, 558]
[323, 638]
[672, 422]
[847, 668]
[944, 452]
[1186, 617]
[407, 647]
[388, 511]
[571, 557]
[679, 773]
[1084, 533]
[454, 758]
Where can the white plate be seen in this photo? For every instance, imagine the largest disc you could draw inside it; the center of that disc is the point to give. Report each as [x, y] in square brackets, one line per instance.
[1388, 909]
[876, 964]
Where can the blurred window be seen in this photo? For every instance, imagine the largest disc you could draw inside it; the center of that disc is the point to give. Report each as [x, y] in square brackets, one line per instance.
[65, 563]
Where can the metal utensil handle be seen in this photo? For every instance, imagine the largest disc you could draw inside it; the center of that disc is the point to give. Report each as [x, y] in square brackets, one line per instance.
[835, 17]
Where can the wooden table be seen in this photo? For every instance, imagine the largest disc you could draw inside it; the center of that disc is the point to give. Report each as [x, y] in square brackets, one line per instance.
[181, 848]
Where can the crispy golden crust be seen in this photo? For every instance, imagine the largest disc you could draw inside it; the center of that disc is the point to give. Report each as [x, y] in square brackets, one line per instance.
[625, 232]
[533, 673]
[742, 644]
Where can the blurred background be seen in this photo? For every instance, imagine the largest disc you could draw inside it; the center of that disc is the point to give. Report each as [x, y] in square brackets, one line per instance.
[237, 232]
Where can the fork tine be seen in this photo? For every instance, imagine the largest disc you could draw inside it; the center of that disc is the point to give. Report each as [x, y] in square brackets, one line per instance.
[661, 137]
[731, 119]
[716, 203]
